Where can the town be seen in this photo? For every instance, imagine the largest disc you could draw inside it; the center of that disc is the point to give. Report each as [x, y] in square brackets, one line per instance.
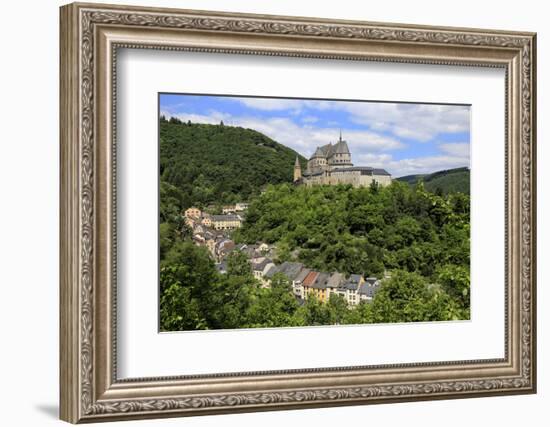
[214, 232]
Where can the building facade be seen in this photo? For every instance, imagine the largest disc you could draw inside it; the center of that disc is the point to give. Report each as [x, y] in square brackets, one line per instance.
[226, 222]
[331, 165]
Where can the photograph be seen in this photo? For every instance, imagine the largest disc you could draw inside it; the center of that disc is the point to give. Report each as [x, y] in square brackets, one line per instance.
[293, 212]
[347, 208]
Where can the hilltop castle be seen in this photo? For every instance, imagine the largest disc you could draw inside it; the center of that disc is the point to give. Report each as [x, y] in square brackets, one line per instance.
[331, 165]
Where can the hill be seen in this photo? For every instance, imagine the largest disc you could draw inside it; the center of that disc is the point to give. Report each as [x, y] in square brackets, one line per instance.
[203, 164]
[446, 181]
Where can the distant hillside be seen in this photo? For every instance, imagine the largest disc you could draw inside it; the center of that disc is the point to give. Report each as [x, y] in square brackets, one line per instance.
[446, 181]
[220, 164]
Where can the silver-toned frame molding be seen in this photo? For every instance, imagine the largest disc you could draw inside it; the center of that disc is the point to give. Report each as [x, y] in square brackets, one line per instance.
[90, 37]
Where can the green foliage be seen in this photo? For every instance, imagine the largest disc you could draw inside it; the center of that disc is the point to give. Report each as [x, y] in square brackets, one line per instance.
[274, 307]
[219, 164]
[362, 230]
[179, 309]
[443, 182]
[238, 265]
[419, 234]
[406, 297]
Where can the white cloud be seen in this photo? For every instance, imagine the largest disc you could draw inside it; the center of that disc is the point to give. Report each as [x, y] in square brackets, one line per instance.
[270, 104]
[413, 166]
[459, 149]
[421, 122]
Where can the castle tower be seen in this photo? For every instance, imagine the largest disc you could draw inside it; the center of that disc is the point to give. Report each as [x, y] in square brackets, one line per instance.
[297, 170]
[340, 155]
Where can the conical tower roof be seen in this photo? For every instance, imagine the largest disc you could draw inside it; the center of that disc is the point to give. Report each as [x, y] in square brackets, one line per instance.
[318, 153]
[297, 163]
[341, 147]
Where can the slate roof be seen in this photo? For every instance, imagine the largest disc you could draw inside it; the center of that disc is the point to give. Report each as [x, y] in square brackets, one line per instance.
[321, 281]
[341, 147]
[377, 171]
[368, 289]
[260, 266]
[291, 269]
[351, 283]
[226, 246]
[271, 272]
[318, 153]
[226, 218]
[335, 280]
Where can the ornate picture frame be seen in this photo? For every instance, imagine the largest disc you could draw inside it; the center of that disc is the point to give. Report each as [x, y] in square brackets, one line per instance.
[90, 37]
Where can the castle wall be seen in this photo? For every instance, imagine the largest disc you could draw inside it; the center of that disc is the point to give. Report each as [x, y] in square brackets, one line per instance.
[354, 178]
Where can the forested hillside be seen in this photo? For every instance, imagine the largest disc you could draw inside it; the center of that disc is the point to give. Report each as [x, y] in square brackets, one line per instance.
[218, 164]
[444, 182]
[364, 230]
[420, 238]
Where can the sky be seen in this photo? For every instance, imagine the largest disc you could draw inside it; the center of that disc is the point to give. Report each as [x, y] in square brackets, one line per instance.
[402, 138]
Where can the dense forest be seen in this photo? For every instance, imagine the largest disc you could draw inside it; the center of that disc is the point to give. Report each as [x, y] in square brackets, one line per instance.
[420, 237]
[217, 164]
[442, 182]
[362, 230]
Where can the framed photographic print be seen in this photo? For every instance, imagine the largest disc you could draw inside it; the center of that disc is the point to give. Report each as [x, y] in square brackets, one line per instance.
[265, 212]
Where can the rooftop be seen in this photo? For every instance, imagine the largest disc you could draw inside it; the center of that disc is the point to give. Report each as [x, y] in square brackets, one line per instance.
[226, 218]
[310, 278]
[321, 281]
[291, 269]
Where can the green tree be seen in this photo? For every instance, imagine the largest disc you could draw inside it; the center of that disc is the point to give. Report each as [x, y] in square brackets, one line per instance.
[406, 297]
[238, 264]
[275, 306]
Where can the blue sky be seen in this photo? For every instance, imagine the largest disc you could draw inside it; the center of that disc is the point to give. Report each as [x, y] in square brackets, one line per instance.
[401, 138]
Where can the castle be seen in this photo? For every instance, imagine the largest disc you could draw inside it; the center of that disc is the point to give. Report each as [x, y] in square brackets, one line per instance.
[331, 165]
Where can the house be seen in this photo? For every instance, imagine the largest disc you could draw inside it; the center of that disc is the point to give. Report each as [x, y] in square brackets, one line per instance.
[270, 272]
[223, 248]
[226, 222]
[260, 269]
[227, 209]
[298, 281]
[239, 207]
[263, 247]
[291, 270]
[369, 288]
[192, 213]
[349, 289]
[210, 244]
[206, 220]
[319, 287]
[250, 251]
[308, 282]
[333, 283]
[199, 239]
